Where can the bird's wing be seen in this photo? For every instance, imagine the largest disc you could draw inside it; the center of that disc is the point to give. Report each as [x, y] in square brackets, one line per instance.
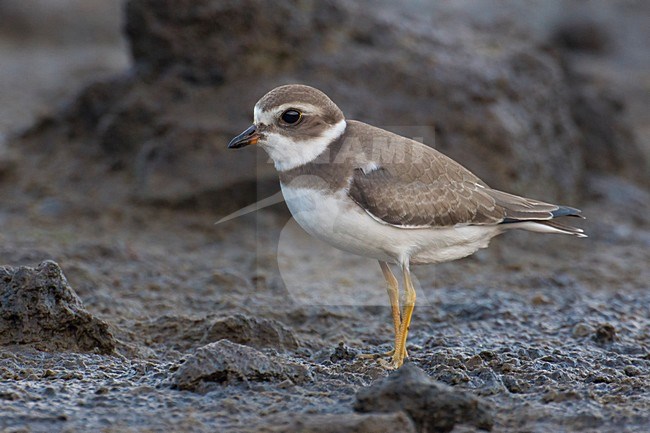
[435, 191]
[421, 203]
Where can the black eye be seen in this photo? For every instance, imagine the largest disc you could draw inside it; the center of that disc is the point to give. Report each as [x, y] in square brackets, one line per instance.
[291, 116]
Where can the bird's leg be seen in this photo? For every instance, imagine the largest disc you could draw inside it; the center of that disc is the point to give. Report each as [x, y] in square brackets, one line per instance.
[393, 294]
[409, 305]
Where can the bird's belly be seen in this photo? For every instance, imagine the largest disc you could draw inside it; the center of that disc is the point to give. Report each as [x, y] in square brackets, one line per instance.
[334, 218]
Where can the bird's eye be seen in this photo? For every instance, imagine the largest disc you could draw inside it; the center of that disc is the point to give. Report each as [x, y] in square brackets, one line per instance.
[291, 116]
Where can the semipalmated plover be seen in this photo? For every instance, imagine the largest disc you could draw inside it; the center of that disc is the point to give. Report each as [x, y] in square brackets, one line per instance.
[377, 194]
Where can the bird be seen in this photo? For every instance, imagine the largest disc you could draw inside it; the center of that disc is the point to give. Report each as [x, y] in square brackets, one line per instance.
[380, 195]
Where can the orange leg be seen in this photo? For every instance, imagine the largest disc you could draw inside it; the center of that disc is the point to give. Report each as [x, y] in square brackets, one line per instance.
[407, 313]
[393, 295]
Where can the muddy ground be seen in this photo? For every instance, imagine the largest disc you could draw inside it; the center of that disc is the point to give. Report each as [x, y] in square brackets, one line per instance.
[250, 325]
[551, 332]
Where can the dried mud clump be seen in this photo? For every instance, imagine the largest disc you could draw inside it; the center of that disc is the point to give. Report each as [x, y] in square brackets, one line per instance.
[39, 308]
[605, 333]
[433, 406]
[225, 362]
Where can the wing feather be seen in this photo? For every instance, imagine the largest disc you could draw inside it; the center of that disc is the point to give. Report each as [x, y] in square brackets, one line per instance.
[453, 197]
[443, 202]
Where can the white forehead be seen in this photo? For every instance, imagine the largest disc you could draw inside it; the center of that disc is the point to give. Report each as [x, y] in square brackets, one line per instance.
[269, 116]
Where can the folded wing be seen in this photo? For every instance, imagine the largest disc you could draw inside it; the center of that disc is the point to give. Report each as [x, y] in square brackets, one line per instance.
[444, 195]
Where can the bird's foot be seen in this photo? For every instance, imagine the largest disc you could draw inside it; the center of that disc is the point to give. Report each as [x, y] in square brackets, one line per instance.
[380, 355]
[376, 355]
[388, 365]
[393, 363]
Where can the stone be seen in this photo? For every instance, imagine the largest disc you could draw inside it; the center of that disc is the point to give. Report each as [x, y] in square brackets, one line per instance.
[605, 333]
[225, 362]
[343, 353]
[581, 329]
[39, 308]
[433, 406]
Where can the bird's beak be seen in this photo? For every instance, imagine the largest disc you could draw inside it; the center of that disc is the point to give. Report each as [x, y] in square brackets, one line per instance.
[250, 136]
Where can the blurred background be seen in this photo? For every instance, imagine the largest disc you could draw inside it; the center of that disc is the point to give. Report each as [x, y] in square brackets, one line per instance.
[114, 120]
[557, 88]
[53, 49]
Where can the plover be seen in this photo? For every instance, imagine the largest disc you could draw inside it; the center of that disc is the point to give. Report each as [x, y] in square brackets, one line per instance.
[373, 193]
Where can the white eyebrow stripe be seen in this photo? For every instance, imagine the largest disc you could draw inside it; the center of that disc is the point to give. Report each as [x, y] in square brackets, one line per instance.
[259, 116]
[267, 117]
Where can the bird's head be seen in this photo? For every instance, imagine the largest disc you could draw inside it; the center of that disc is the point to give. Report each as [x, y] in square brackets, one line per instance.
[293, 124]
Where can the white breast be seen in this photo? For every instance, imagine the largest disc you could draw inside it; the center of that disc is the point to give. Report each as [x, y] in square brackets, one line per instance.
[336, 219]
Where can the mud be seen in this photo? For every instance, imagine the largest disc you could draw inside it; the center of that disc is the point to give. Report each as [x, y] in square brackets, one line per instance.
[251, 325]
[551, 333]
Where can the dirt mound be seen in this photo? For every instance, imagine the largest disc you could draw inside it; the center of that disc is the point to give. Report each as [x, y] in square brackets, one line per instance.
[39, 308]
[226, 362]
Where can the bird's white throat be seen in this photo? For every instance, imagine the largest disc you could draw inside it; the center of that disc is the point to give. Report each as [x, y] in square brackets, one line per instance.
[288, 153]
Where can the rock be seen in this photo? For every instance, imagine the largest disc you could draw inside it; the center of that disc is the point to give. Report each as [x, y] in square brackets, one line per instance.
[397, 422]
[559, 396]
[514, 385]
[632, 371]
[540, 299]
[433, 406]
[228, 362]
[605, 333]
[39, 308]
[582, 330]
[343, 353]
[474, 362]
[251, 331]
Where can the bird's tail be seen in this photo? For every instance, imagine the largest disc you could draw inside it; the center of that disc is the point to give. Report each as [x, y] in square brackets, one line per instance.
[536, 216]
[548, 226]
